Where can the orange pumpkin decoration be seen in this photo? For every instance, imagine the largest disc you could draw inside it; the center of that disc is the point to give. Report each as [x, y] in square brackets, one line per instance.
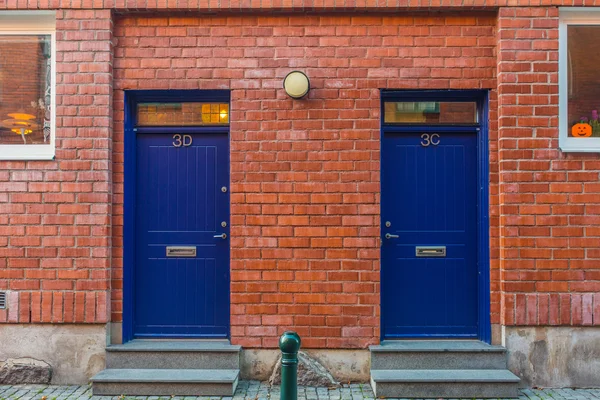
[581, 130]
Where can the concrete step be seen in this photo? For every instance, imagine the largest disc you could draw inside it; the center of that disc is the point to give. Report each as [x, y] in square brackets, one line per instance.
[437, 354]
[165, 382]
[440, 383]
[151, 354]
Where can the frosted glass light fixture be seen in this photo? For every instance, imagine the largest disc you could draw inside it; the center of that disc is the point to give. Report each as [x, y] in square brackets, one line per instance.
[296, 84]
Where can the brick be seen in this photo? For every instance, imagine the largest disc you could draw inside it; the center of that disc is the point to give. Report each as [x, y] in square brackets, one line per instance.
[305, 174]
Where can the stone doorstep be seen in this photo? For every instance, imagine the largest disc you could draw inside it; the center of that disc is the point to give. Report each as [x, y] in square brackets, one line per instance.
[442, 346]
[138, 345]
[165, 382]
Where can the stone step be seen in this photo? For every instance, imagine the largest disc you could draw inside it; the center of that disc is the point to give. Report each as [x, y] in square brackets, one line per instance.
[437, 354]
[165, 382]
[440, 383]
[150, 354]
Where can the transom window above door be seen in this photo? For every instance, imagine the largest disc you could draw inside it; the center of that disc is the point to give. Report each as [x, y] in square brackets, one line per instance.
[430, 112]
[182, 114]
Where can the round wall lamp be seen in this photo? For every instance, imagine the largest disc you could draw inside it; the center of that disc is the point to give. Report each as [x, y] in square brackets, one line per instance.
[296, 84]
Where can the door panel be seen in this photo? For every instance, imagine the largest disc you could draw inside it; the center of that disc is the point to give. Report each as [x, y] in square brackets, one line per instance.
[179, 202]
[429, 197]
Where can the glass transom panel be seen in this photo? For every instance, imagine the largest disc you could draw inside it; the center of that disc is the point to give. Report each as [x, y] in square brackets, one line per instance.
[182, 114]
[430, 112]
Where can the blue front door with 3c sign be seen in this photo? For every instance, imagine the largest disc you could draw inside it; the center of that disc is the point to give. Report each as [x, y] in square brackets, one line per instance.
[429, 251]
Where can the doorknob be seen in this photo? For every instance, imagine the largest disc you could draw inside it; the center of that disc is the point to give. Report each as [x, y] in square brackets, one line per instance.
[390, 236]
[222, 236]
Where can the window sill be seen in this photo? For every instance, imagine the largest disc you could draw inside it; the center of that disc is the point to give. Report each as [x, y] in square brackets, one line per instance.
[579, 145]
[17, 155]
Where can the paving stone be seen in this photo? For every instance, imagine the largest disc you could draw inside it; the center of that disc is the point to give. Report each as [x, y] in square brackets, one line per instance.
[255, 390]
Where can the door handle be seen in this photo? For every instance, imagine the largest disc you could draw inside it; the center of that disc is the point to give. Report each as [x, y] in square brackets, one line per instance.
[390, 236]
[222, 236]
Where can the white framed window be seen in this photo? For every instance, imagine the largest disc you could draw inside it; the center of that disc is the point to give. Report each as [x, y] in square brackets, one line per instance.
[27, 85]
[579, 79]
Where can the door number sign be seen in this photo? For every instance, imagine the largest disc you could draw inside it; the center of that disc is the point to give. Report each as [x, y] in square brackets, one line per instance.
[430, 139]
[182, 140]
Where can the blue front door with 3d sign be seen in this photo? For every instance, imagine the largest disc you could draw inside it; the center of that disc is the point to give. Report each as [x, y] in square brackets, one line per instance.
[181, 272]
[429, 233]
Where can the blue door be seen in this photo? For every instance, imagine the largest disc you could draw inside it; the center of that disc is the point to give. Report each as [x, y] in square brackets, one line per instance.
[429, 234]
[181, 273]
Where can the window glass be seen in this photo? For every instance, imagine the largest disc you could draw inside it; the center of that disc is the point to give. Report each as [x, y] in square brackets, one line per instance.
[25, 89]
[182, 114]
[583, 81]
[430, 112]
[578, 80]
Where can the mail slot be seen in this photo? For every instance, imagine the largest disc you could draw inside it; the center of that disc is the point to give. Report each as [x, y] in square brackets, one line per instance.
[430, 251]
[181, 251]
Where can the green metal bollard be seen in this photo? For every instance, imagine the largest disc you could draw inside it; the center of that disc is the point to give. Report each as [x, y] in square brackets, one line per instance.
[289, 344]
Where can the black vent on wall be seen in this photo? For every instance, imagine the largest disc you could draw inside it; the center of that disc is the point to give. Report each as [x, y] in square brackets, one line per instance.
[2, 299]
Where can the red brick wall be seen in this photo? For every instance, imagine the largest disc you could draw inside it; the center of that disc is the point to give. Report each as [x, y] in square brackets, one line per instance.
[279, 6]
[305, 174]
[549, 201]
[55, 235]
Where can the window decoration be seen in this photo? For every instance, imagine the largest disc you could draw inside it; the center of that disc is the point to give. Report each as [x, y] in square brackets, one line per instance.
[579, 82]
[26, 85]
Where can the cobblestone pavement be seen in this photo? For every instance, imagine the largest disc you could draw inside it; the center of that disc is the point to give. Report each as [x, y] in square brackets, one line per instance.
[254, 390]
